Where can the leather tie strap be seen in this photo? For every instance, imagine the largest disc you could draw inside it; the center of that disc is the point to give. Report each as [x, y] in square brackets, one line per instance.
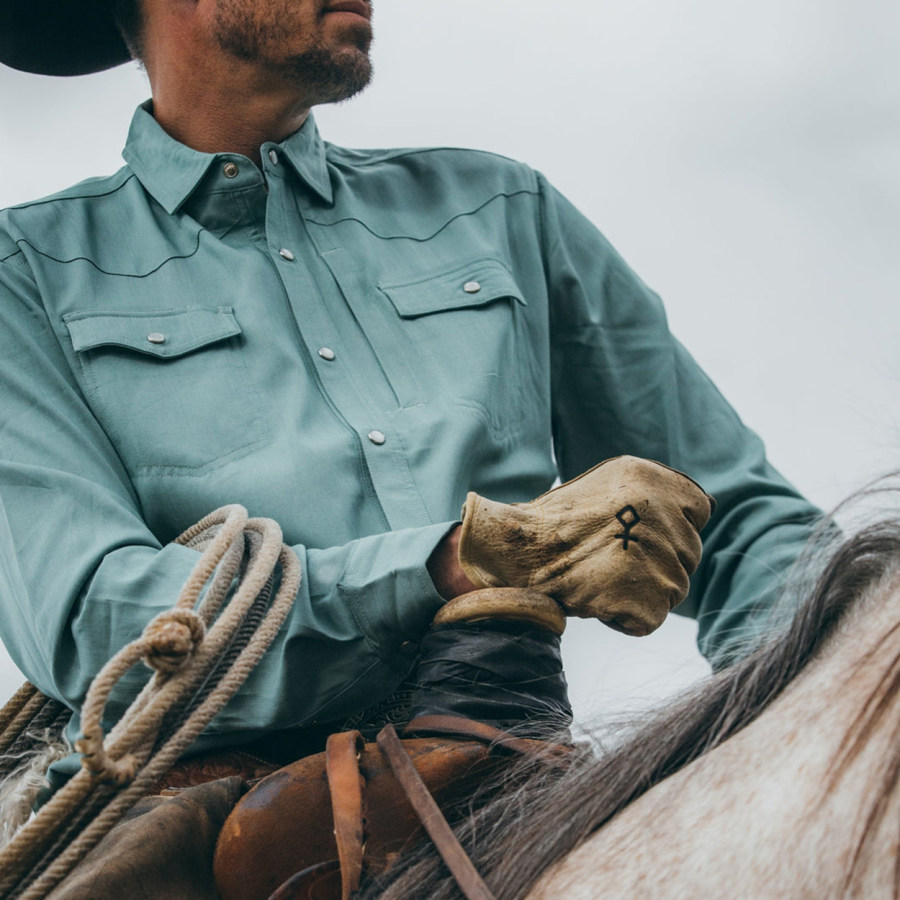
[342, 753]
[473, 730]
[457, 861]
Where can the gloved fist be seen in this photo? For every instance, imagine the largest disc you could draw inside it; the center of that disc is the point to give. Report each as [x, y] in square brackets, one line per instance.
[617, 544]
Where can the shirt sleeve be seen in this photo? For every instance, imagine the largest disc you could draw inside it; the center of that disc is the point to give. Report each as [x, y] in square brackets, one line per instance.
[622, 384]
[81, 573]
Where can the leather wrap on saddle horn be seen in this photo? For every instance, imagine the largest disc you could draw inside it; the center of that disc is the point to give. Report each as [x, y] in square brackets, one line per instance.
[490, 662]
[286, 823]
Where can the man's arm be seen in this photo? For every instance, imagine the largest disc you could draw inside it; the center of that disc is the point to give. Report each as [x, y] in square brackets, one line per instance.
[81, 573]
[622, 384]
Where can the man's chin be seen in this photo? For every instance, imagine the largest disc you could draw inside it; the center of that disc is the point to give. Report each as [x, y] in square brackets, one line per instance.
[332, 76]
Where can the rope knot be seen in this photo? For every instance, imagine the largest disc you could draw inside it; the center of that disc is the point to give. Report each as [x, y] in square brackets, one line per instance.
[171, 638]
[96, 761]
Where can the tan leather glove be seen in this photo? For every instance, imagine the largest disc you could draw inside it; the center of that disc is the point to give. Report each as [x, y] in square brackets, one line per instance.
[616, 544]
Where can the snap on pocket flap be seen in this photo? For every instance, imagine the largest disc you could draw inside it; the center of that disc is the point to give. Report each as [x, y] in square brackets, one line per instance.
[162, 334]
[475, 284]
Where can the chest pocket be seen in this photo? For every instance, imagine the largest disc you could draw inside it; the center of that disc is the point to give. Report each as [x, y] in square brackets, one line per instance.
[464, 329]
[169, 387]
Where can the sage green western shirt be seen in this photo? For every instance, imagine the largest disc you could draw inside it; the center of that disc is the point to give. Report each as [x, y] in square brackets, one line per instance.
[345, 341]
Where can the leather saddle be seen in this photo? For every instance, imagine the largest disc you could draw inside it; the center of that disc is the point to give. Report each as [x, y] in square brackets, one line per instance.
[313, 828]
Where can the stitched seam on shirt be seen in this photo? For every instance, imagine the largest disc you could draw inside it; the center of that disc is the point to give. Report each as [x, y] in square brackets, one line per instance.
[422, 240]
[147, 314]
[400, 458]
[417, 151]
[465, 267]
[183, 471]
[546, 249]
[18, 260]
[117, 274]
[57, 199]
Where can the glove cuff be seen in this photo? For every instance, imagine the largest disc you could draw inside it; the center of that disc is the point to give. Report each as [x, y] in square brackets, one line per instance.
[516, 604]
[478, 540]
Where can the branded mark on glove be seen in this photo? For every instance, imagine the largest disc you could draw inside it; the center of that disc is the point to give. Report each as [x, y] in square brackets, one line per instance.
[628, 517]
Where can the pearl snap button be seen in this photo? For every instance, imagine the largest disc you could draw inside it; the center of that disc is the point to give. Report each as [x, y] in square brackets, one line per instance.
[376, 437]
[273, 157]
[326, 353]
[230, 170]
[471, 287]
[285, 254]
[156, 338]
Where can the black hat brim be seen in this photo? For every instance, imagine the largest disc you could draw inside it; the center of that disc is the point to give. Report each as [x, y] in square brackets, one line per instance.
[59, 37]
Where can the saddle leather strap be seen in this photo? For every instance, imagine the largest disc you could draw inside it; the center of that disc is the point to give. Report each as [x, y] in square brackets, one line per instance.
[487, 734]
[431, 817]
[342, 753]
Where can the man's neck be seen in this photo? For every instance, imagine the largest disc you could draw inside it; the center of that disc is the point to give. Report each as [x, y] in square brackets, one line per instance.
[226, 121]
[219, 105]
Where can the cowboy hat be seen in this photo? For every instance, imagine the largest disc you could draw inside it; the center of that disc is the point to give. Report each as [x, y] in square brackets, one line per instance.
[60, 37]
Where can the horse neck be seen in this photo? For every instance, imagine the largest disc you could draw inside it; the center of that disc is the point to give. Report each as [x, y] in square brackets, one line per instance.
[781, 807]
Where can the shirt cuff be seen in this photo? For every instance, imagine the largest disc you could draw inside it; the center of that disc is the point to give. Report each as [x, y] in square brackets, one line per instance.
[389, 591]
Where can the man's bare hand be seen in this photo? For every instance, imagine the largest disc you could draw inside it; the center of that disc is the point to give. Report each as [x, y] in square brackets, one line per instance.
[444, 568]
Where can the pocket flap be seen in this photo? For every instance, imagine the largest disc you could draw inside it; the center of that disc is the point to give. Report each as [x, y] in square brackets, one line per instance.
[163, 334]
[475, 284]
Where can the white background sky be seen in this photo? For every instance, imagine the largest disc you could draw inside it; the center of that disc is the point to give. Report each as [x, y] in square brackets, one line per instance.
[742, 156]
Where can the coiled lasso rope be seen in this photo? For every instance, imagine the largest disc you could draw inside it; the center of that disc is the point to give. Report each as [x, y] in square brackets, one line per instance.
[202, 651]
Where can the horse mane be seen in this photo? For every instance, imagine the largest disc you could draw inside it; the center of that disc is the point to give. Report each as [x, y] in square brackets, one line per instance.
[540, 813]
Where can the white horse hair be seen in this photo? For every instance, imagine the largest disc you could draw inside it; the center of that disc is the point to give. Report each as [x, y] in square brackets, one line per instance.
[778, 777]
[20, 789]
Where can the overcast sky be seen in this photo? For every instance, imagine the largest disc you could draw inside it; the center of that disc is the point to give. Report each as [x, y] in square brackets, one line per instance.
[742, 156]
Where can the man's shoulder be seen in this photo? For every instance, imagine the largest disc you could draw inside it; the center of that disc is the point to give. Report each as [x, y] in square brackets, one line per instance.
[458, 163]
[437, 155]
[83, 194]
[51, 224]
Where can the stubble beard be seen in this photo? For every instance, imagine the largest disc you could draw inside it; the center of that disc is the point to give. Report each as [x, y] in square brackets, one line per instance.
[322, 73]
[329, 75]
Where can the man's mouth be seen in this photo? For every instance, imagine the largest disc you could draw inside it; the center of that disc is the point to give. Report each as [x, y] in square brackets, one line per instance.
[357, 7]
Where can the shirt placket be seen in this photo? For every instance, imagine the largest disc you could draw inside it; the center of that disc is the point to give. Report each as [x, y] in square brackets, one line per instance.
[350, 376]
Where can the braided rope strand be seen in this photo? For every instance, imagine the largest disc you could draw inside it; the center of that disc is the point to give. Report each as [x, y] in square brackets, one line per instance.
[14, 705]
[185, 647]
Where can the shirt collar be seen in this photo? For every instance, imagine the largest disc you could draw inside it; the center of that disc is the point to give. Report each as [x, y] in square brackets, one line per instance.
[306, 151]
[171, 171]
